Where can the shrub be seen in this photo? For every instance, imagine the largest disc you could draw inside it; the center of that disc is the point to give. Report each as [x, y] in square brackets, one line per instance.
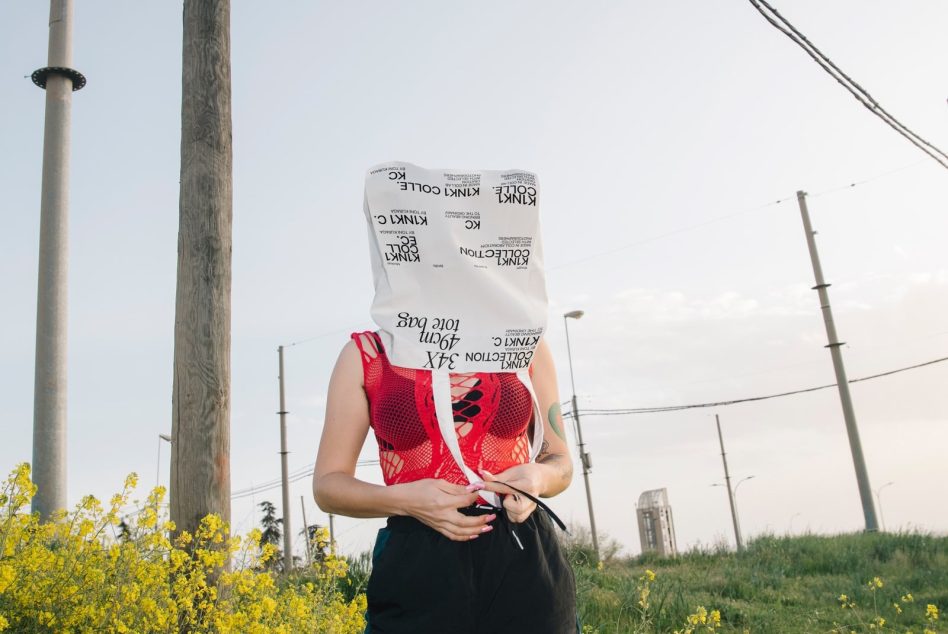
[77, 573]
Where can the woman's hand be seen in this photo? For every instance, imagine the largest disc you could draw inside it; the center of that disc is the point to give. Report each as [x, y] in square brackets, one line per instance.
[436, 503]
[527, 477]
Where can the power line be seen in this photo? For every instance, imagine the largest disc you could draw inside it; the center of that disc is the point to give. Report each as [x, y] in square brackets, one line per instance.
[717, 219]
[319, 336]
[300, 474]
[847, 82]
[677, 408]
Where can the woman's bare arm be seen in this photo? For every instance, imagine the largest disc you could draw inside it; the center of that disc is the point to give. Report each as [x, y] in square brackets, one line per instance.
[554, 453]
[344, 431]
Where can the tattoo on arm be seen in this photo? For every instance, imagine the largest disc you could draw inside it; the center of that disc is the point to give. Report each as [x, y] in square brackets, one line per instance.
[558, 461]
[556, 420]
[544, 450]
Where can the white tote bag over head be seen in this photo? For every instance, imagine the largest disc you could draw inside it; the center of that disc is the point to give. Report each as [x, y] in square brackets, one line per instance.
[459, 282]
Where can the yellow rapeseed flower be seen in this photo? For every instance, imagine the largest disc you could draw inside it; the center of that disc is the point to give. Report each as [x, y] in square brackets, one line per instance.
[72, 574]
[931, 612]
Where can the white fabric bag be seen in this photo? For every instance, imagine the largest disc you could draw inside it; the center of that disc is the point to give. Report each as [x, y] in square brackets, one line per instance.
[458, 269]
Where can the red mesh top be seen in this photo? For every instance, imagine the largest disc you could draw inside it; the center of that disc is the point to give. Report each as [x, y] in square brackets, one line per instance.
[492, 414]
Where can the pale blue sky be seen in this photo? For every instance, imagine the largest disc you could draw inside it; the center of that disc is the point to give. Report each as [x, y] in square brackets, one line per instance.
[644, 122]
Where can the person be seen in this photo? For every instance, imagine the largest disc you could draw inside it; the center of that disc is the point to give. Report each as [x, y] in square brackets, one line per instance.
[459, 389]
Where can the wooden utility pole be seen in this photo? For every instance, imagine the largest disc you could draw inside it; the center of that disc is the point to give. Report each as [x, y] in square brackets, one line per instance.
[842, 383]
[59, 80]
[200, 400]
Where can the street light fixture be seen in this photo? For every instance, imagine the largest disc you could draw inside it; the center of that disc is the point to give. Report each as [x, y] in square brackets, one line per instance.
[750, 477]
[736, 510]
[790, 528]
[584, 457]
[167, 439]
[879, 503]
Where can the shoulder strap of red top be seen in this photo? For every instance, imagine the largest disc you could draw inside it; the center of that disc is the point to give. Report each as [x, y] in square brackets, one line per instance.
[363, 340]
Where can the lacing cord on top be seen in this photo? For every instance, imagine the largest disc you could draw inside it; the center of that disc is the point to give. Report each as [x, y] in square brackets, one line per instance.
[540, 504]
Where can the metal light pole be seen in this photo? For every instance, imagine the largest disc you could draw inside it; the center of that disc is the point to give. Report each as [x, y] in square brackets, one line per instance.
[583, 455]
[167, 439]
[309, 552]
[790, 528]
[842, 383]
[49, 386]
[736, 509]
[879, 502]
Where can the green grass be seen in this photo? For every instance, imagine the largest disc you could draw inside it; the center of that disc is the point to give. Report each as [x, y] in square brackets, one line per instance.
[779, 585]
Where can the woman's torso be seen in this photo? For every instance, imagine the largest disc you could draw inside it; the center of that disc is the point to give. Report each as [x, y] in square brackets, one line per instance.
[492, 415]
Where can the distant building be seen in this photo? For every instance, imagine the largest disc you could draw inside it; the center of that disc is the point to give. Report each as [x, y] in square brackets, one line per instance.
[656, 527]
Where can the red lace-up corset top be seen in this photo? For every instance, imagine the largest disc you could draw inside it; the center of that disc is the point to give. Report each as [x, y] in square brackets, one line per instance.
[492, 414]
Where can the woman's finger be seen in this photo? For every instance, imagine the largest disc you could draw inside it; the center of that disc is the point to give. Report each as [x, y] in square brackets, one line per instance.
[498, 487]
[466, 522]
[459, 535]
[453, 489]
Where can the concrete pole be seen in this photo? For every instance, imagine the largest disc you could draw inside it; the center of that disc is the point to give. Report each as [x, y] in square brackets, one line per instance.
[287, 535]
[583, 456]
[842, 383]
[49, 387]
[309, 553]
[332, 536]
[730, 493]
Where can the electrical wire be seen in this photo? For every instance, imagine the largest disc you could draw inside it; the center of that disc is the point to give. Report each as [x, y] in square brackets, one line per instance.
[300, 474]
[678, 408]
[717, 219]
[847, 82]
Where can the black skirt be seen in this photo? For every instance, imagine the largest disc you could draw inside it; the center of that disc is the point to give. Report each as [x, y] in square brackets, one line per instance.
[513, 579]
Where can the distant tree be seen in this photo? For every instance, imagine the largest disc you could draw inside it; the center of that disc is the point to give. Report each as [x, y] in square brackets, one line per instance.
[272, 534]
[317, 543]
[125, 532]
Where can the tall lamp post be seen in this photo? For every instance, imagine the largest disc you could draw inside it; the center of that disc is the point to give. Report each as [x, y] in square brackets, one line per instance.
[583, 455]
[736, 509]
[732, 496]
[879, 503]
